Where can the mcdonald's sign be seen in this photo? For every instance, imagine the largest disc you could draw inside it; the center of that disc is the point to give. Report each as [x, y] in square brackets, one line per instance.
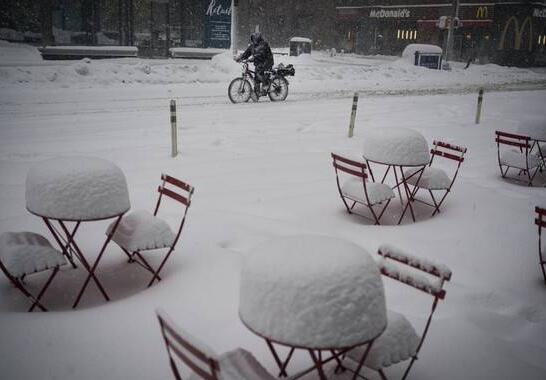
[518, 32]
[482, 13]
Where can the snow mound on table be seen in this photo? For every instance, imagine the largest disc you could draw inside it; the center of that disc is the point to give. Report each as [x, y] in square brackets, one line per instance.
[398, 146]
[28, 252]
[312, 291]
[533, 127]
[76, 188]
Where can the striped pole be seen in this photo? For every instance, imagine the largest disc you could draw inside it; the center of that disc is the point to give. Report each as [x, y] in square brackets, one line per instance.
[479, 109]
[353, 115]
[174, 138]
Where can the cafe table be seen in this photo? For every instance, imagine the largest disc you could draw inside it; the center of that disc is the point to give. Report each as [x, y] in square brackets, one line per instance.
[70, 191]
[319, 294]
[397, 150]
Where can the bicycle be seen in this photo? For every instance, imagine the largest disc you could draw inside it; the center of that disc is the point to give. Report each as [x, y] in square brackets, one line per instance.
[241, 89]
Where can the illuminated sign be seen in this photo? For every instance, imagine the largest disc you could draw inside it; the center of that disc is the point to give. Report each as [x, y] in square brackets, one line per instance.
[482, 13]
[390, 13]
[540, 13]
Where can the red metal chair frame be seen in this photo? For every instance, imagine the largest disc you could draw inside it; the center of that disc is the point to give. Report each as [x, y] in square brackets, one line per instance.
[19, 283]
[525, 146]
[437, 295]
[540, 221]
[136, 256]
[443, 149]
[357, 169]
[185, 351]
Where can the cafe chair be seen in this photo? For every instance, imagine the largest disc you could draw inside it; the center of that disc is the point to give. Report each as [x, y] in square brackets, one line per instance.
[436, 179]
[237, 364]
[540, 221]
[356, 188]
[514, 151]
[26, 253]
[141, 231]
[400, 341]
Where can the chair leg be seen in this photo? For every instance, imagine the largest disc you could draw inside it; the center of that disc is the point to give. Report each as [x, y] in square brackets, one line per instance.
[409, 367]
[143, 263]
[382, 374]
[42, 292]
[156, 273]
[542, 262]
[362, 360]
[384, 208]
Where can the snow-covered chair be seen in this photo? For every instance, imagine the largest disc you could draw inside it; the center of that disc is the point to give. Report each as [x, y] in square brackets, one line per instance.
[356, 188]
[540, 221]
[400, 341]
[237, 364]
[142, 231]
[520, 158]
[436, 179]
[25, 253]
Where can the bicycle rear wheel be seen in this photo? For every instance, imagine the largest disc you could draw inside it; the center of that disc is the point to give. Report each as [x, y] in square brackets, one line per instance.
[278, 91]
[239, 90]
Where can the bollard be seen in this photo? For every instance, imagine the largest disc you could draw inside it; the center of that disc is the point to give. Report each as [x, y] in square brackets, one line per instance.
[174, 138]
[353, 115]
[479, 109]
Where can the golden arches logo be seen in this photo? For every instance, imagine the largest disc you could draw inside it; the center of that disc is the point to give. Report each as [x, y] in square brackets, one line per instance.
[482, 13]
[518, 32]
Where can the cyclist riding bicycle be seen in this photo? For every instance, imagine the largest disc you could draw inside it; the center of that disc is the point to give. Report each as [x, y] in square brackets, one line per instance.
[262, 57]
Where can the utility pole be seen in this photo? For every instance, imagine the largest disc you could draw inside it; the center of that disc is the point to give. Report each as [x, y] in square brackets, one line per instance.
[234, 8]
[451, 30]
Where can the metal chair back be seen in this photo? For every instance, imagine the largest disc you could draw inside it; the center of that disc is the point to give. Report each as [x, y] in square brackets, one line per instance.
[182, 348]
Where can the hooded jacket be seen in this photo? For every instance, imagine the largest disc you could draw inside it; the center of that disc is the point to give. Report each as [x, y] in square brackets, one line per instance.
[260, 50]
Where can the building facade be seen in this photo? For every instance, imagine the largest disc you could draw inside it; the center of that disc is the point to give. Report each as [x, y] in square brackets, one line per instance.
[503, 32]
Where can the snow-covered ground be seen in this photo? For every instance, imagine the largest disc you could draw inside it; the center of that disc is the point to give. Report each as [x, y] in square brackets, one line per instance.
[262, 170]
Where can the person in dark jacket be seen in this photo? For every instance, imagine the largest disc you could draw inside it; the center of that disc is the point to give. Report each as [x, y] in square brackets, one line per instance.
[262, 57]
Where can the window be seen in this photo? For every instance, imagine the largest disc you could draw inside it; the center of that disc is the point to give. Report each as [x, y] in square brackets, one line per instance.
[404, 34]
[542, 40]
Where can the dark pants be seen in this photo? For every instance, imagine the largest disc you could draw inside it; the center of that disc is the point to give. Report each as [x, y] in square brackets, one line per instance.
[260, 76]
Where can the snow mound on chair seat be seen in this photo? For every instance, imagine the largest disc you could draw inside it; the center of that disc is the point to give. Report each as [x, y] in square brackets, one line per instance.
[396, 146]
[516, 159]
[432, 178]
[76, 188]
[377, 192]
[399, 342]
[140, 230]
[312, 291]
[28, 252]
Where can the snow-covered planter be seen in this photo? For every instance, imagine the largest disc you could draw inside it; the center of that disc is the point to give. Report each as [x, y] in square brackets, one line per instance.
[76, 188]
[312, 291]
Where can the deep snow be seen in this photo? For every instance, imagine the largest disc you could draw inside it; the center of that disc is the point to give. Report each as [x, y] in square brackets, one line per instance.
[262, 171]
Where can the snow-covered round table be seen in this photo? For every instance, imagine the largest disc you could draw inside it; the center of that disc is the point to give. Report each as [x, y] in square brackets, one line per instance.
[314, 293]
[397, 149]
[77, 189]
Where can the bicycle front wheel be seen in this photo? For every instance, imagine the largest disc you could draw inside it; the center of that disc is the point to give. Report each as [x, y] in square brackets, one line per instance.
[278, 91]
[239, 90]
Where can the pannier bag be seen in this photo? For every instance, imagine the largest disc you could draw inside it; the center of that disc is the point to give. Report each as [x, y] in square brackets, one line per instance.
[286, 70]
